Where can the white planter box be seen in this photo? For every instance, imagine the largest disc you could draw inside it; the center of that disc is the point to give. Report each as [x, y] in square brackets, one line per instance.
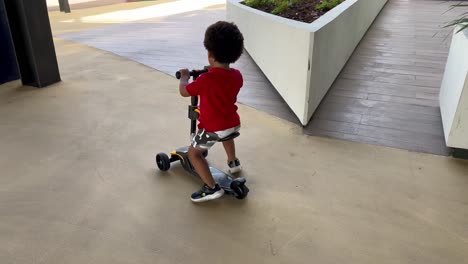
[454, 93]
[303, 60]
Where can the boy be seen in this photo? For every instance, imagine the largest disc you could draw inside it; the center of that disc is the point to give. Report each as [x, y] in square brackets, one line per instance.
[217, 89]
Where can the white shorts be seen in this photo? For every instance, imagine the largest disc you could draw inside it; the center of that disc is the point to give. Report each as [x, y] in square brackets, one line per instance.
[205, 140]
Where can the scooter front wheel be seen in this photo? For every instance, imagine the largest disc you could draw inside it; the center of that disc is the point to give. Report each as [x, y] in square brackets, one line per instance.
[240, 191]
[163, 161]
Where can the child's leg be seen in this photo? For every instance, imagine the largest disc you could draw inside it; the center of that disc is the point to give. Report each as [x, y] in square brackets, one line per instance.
[200, 143]
[233, 162]
[201, 166]
[230, 148]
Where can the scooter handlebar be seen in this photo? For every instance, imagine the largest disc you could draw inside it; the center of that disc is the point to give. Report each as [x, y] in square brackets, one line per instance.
[193, 73]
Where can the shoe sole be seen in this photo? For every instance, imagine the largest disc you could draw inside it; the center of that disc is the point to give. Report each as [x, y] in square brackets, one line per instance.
[235, 170]
[215, 195]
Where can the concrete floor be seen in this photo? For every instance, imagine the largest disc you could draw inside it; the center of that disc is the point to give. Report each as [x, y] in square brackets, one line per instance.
[78, 183]
[53, 5]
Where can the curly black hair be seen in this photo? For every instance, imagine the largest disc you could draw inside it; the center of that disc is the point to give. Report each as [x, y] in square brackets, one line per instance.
[224, 41]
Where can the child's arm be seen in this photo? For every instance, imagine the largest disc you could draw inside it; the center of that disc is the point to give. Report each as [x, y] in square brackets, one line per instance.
[184, 80]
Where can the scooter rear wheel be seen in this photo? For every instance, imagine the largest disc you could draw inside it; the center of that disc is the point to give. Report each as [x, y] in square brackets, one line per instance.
[163, 161]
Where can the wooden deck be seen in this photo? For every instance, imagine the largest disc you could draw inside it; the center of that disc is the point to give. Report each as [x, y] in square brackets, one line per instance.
[388, 92]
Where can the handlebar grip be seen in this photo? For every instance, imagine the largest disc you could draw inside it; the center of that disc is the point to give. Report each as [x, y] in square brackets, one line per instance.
[194, 73]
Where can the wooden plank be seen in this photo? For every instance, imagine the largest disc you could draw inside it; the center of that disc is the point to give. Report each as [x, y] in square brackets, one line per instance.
[437, 149]
[333, 126]
[326, 114]
[386, 88]
[350, 93]
[400, 116]
[388, 121]
[387, 94]
[403, 100]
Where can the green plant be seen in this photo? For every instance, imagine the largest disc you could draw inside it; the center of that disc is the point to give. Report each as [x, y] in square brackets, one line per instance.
[462, 21]
[256, 3]
[279, 5]
[328, 5]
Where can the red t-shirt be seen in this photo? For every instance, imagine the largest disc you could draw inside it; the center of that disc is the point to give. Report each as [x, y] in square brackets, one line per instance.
[217, 90]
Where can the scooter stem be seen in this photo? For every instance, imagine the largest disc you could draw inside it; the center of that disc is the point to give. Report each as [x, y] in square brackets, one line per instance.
[193, 125]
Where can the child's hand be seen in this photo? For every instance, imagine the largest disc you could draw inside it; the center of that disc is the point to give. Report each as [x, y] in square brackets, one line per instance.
[184, 80]
[184, 74]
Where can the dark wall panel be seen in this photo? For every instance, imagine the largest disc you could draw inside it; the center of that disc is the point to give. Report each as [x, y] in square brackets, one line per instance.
[32, 37]
[8, 65]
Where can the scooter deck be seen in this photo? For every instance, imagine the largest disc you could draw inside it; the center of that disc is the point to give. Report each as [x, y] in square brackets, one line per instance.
[223, 179]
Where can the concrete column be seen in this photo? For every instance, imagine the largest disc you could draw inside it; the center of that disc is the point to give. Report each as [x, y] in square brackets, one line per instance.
[8, 65]
[32, 38]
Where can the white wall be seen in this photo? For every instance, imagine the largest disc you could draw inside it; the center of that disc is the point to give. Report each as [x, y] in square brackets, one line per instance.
[279, 47]
[454, 93]
[302, 60]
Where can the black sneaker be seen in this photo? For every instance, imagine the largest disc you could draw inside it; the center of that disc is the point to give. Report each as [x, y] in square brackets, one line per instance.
[234, 166]
[206, 194]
